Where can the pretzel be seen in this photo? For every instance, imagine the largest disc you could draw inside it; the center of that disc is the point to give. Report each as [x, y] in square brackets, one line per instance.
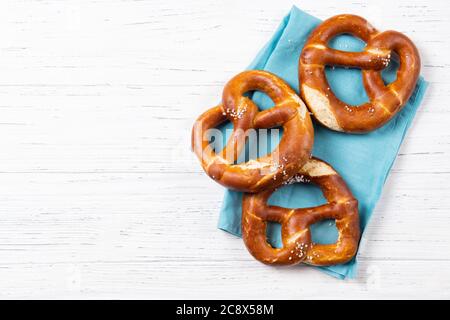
[384, 100]
[273, 169]
[295, 223]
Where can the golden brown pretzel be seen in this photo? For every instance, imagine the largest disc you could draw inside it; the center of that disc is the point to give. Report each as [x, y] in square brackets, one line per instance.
[273, 169]
[295, 223]
[385, 101]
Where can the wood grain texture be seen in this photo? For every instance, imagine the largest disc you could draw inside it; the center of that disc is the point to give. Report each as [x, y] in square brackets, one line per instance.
[100, 196]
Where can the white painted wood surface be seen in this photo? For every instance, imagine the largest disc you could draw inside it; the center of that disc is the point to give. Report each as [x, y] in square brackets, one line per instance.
[100, 196]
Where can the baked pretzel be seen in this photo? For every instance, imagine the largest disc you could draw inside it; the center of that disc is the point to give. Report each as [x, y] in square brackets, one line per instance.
[384, 100]
[273, 169]
[295, 223]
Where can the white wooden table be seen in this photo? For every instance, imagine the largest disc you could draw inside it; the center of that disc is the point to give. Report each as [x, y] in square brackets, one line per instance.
[100, 196]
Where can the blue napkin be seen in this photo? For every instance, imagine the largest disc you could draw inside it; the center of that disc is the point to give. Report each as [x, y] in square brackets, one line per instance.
[363, 161]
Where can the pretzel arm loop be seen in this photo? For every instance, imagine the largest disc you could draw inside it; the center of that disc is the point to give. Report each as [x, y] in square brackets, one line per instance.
[315, 214]
[275, 116]
[274, 214]
[321, 55]
[242, 123]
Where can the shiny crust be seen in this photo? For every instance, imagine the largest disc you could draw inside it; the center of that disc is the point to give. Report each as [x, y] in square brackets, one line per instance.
[265, 172]
[295, 223]
[384, 101]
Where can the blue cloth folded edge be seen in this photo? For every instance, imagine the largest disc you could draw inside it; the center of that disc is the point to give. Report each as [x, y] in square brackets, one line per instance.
[280, 56]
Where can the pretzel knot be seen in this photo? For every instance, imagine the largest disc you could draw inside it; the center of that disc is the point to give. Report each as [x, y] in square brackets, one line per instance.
[384, 100]
[295, 223]
[273, 169]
